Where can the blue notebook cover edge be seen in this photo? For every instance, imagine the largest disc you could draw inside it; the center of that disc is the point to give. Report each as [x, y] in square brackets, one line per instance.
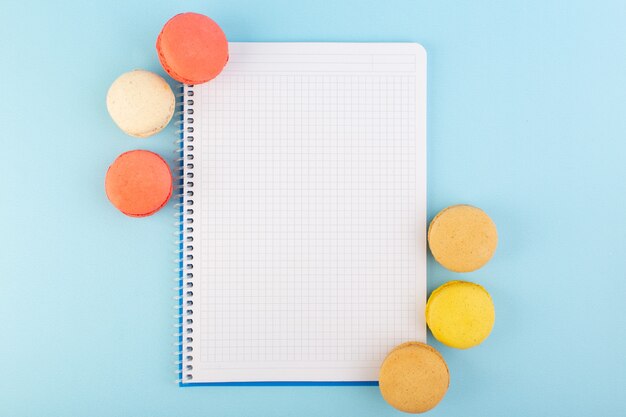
[283, 384]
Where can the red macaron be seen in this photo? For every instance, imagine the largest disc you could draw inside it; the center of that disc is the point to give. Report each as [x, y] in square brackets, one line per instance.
[139, 183]
[192, 48]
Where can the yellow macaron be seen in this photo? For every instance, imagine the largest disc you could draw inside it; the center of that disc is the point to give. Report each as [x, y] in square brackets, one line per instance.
[460, 314]
[462, 238]
[413, 377]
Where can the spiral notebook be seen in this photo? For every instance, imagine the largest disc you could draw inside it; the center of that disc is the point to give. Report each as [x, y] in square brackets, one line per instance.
[302, 213]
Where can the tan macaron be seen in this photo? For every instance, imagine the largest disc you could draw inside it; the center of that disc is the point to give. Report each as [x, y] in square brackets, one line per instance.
[413, 377]
[141, 103]
[462, 238]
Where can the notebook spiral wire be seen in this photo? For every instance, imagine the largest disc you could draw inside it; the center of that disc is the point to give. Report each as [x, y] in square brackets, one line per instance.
[183, 213]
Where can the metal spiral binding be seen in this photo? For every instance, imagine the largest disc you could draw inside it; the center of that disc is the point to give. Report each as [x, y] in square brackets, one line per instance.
[184, 173]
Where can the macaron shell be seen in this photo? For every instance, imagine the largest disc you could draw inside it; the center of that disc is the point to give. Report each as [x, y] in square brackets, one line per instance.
[139, 183]
[414, 377]
[141, 103]
[462, 238]
[460, 314]
[151, 212]
[192, 48]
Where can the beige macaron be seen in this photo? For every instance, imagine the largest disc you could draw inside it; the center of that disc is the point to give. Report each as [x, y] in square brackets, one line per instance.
[413, 377]
[462, 238]
[141, 103]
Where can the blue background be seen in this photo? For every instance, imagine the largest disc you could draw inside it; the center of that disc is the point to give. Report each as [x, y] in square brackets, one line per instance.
[526, 119]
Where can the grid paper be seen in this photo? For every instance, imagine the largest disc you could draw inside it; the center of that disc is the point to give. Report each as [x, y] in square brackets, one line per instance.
[309, 201]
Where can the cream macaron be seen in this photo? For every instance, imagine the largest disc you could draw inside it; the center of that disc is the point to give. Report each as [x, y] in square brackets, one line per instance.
[141, 103]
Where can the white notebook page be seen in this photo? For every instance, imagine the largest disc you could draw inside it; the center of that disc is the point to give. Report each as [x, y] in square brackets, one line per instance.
[309, 220]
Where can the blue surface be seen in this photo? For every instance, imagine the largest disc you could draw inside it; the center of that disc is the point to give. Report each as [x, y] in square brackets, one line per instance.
[526, 120]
